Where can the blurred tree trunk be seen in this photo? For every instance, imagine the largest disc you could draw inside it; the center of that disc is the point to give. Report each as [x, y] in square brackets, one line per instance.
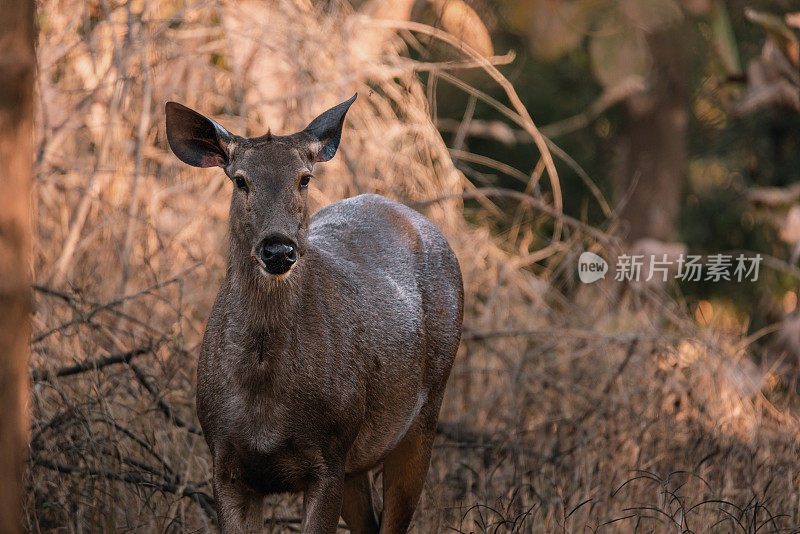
[652, 156]
[17, 67]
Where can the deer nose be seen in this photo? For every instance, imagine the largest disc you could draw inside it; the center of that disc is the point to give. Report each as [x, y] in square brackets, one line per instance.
[278, 255]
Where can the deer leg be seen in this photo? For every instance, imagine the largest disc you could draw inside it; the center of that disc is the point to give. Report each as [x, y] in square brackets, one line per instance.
[404, 472]
[322, 504]
[239, 509]
[357, 510]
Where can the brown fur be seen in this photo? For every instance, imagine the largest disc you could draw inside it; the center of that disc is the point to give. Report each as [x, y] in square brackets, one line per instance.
[308, 380]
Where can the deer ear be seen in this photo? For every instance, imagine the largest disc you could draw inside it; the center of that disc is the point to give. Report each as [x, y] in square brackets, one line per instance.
[327, 129]
[195, 139]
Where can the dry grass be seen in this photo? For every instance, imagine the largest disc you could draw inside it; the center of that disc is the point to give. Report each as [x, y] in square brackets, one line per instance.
[569, 408]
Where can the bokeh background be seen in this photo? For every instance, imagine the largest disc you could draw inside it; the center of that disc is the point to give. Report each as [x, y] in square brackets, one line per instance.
[529, 132]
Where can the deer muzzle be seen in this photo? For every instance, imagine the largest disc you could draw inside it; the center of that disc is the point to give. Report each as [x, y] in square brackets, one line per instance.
[277, 255]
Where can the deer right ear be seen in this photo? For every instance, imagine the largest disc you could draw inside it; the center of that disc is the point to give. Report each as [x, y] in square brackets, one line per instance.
[195, 139]
[327, 129]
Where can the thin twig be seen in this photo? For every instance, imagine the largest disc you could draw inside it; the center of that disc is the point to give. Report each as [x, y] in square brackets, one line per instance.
[163, 405]
[522, 197]
[42, 375]
[83, 318]
[205, 500]
[521, 112]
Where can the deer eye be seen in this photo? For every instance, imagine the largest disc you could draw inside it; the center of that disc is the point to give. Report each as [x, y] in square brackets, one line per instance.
[304, 181]
[241, 183]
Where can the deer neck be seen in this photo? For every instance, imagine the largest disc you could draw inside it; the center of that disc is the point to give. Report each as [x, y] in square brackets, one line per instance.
[266, 306]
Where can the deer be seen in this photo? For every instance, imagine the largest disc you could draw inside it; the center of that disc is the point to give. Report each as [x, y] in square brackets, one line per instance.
[329, 345]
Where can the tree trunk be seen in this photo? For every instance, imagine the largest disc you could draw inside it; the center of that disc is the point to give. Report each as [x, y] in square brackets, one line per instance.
[652, 156]
[17, 68]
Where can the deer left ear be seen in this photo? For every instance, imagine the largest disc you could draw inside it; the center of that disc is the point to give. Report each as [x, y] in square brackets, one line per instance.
[195, 139]
[327, 129]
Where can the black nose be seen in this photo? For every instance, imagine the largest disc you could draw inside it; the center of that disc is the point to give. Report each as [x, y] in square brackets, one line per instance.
[278, 255]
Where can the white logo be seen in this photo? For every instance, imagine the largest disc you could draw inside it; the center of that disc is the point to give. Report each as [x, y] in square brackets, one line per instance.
[591, 267]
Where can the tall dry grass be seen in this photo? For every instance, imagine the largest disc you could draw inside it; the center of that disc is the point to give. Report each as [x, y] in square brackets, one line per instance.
[569, 408]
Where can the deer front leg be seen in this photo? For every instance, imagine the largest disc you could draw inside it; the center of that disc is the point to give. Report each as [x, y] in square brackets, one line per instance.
[322, 503]
[239, 509]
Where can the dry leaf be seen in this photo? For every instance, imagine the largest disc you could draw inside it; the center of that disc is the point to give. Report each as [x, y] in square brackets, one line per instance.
[462, 21]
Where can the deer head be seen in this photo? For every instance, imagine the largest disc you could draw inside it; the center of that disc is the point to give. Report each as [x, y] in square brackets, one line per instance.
[269, 210]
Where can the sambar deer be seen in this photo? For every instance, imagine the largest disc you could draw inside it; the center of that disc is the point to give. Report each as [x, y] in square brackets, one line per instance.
[330, 342]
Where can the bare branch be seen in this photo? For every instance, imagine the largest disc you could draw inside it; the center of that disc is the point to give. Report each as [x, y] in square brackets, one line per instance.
[163, 405]
[41, 375]
[205, 500]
